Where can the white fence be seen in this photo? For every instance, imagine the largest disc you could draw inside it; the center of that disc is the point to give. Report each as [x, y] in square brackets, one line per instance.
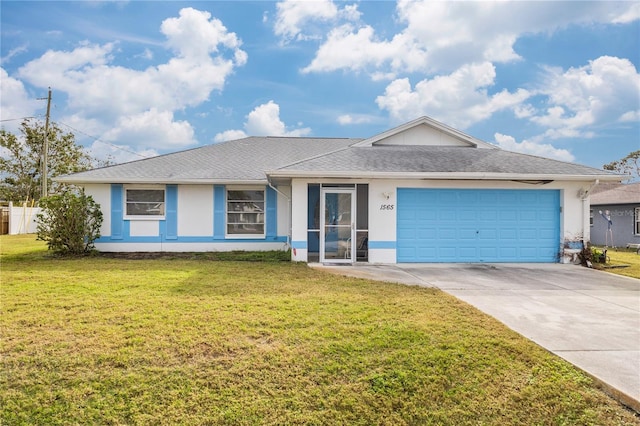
[21, 219]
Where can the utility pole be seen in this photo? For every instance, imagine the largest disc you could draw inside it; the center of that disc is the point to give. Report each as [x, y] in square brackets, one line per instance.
[45, 149]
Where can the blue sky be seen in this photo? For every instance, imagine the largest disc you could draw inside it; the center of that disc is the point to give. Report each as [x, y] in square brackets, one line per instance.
[141, 78]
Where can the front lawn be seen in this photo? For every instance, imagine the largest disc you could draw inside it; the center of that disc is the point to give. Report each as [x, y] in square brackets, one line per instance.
[103, 340]
[622, 262]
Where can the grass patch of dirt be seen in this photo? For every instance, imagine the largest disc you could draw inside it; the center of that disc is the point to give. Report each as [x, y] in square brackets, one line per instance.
[105, 340]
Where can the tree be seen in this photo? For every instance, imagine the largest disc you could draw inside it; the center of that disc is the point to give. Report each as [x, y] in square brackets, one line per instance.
[69, 222]
[21, 160]
[629, 165]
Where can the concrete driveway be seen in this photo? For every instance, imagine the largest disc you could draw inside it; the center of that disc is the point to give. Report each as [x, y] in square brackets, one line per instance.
[590, 318]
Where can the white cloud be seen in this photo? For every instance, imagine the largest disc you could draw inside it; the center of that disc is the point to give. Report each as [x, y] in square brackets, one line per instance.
[530, 147]
[139, 104]
[146, 54]
[195, 35]
[14, 52]
[444, 36]
[350, 13]
[292, 15]
[264, 120]
[629, 15]
[348, 119]
[630, 116]
[117, 154]
[15, 102]
[359, 50]
[603, 92]
[229, 135]
[459, 99]
[157, 128]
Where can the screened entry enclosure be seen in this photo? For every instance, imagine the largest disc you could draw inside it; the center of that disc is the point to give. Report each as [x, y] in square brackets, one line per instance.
[338, 223]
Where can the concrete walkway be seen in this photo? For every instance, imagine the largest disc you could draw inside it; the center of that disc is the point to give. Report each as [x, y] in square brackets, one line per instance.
[590, 318]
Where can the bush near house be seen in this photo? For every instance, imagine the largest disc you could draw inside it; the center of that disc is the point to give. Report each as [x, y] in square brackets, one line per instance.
[101, 340]
[69, 222]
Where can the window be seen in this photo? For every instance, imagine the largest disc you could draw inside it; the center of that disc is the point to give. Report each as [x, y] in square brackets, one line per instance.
[245, 212]
[591, 217]
[145, 202]
[637, 221]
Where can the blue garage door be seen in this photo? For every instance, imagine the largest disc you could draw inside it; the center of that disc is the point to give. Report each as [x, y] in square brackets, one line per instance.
[478, 225]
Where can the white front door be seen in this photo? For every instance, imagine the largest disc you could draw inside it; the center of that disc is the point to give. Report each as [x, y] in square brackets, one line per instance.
[337, 231]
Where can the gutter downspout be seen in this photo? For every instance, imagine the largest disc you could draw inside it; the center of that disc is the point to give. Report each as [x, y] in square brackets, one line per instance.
[585, 196]
[290, 213]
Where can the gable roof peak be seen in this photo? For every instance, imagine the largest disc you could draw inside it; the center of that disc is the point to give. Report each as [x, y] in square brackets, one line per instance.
[447, 135]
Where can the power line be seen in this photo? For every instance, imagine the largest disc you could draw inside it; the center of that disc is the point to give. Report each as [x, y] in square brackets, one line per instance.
[80, 131]
[96, 139]
[16, 119]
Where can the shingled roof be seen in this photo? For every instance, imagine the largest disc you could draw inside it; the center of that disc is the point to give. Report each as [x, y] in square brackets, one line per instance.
[617, 194]
[239, 161]
[438, 161]
[255, 159]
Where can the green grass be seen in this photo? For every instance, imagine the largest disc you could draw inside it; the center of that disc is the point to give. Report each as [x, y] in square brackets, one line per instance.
[101, 340]
[620, 257]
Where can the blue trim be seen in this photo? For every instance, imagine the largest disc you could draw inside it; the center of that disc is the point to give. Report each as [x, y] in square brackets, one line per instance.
[205, 239]
[219, 201]
[126, 227]
[299, 245]
[168, 227]
[117, 213]
[382, 244]
[171, 213]
[213, 209]
[271, 217]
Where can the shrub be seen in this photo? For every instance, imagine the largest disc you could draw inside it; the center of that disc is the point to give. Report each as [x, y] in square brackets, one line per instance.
[586, 255]
[69, 222]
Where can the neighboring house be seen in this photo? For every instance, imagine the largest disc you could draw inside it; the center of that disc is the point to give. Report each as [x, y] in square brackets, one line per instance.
[421, 192]
[615, 215]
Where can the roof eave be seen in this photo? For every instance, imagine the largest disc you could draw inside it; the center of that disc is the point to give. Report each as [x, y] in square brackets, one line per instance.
[442, 175]
[147, 181]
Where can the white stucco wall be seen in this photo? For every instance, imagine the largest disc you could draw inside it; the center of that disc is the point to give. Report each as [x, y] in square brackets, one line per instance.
[195, 224]
[144, 228]
[574, 219]
[101, 194]
[284, 210]
[128, 247]
[195, 210]
[299, 219]
[422, 135]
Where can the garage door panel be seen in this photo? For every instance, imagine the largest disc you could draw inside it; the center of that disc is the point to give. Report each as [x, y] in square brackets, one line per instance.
[478, 225]
[427, 252]
[508, 214]
[488, 215]
[546, 215]
[508, 252]
[447, 234]
[487, 197]
[508, 234]
[529, 215]
[487, 234]
[467, 215]
[468, 252]
[467, 234]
